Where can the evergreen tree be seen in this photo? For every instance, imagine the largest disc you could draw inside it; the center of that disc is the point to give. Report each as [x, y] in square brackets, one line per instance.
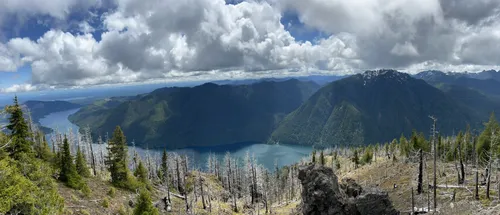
[19, 131]
[485, 139]
[164, 166]
[144, 205]
[117, 158]
[313, 157]
[405, 147]
[322, 158]
[368, 155]
[141, 173]
[355, 158]
[68, 173]
[81, 164]
[43, 150]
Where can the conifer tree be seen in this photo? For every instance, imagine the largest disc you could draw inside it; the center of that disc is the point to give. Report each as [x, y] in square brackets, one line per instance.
[141, 173]
[164, 166]
[144, 204]
[313, 157]
[43, 150]
[485, 139]
[68, 173]
[81, 164]
[117, 158]
[322, 158]
[19, 131]
[355, 158]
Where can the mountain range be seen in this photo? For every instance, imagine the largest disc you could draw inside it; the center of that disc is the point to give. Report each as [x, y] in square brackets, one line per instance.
[205, 115]
[375, 106]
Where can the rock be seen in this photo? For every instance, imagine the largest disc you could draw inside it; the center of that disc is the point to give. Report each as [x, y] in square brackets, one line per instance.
[374, 202]
[351, 188]
[322, 195]
[131, 203]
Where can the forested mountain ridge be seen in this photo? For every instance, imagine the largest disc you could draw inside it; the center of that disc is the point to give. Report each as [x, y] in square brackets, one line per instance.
[39, 109]
[204, 115]
[486, 82]
[375, 106]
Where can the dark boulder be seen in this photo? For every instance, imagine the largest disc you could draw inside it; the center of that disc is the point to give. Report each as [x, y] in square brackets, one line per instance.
[322, 195]
[351, 188]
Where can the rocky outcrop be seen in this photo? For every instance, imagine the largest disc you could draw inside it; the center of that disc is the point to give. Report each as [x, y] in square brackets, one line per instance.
[323, 195]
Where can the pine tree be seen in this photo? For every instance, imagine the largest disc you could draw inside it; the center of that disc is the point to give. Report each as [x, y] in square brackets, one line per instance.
[485, 139]
[81, 164]
[164, 166]
[68, 173]
[43, 150]
[144, 204]
[405, 147]
[355, 158]
[19, 131]
[141, 173]
[322, 158]
[313, 157]
[117, 158]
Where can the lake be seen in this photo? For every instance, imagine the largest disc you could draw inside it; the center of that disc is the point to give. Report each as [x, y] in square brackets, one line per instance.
[265, 154]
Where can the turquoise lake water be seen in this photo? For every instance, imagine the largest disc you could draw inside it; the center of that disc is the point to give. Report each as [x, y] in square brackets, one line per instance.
[265, 154]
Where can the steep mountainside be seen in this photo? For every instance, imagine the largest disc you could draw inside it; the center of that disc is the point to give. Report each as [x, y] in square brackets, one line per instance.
[205, 115]
[487, 82]
[372, 107]
[39, 109]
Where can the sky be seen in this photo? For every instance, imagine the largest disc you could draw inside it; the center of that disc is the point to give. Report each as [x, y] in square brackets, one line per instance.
[68, 44]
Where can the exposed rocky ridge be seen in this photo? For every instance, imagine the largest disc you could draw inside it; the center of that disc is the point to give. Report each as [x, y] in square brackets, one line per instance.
[323, 195]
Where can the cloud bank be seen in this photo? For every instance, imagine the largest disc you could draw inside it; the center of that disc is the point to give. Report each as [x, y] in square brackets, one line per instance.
[171, 40]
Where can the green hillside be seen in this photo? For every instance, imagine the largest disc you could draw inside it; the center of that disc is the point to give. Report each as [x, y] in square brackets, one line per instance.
[205, 115]
[374, 107]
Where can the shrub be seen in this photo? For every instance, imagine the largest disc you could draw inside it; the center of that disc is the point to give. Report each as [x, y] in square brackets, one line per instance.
[112, 192]
[105, 202]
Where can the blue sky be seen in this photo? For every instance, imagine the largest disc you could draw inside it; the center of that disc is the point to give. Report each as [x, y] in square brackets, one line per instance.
[62, 44]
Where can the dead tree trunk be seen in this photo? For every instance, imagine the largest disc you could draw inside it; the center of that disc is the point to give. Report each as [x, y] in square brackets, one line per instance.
[488, 181]
[179, 186]
[420, 173]
[92, 156]
[201, 190]
[462, 168]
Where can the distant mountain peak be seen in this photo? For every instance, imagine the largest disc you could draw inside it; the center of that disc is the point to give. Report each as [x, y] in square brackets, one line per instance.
[386, 74]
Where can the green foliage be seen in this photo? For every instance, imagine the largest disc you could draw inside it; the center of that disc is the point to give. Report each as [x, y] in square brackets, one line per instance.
[404, 146]
[27, 187]
[122, 210]
[81, 164]
[86, 190]
[144, 204]
[251, 112]
[105, 202]
[112, 192]
[19, 131]
[355, 158]
[117, 159]
[141, 173]
[367, 156]
[42, 149]
[488, 140]
[322, 158]
[356, 111]
[313, 157]
[337, 164]
[164, 167]
[68, 173]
